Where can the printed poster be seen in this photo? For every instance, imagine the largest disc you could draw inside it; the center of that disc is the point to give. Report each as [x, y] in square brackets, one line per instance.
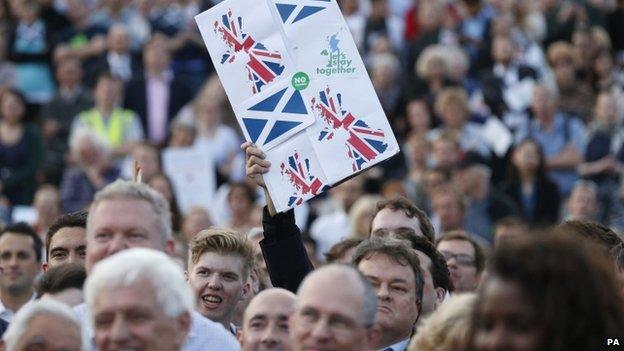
[300, 92]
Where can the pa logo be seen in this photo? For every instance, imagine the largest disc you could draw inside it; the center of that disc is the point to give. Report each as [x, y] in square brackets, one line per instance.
[613, 342]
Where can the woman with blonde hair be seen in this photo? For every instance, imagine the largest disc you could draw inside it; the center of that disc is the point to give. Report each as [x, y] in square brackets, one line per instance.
[361, 215]
[447, 329]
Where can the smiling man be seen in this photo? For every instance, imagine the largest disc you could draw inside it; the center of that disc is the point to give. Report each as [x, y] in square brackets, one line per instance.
[393, 270]
[220, 261]
[127, 215]
[66, 240]
[20, 259]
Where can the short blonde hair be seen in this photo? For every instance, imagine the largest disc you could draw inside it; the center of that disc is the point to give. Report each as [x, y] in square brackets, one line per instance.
[447, 329]
[222, 241]
[560, 51]
[427, 57]
[451, 96]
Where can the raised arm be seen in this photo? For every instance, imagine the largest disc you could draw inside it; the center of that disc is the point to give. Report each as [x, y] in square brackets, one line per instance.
[282, 247]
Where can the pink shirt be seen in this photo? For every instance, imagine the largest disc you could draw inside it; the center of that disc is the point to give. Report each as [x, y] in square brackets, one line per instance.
[157, 106]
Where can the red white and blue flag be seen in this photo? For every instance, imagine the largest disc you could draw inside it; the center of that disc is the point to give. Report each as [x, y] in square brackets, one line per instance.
[299, 175]
[363, 144]
[263, 65]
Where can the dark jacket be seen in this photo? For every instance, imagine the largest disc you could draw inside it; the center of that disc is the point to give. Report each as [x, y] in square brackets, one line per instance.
[546, 202]
[282, 247]
[135, 99]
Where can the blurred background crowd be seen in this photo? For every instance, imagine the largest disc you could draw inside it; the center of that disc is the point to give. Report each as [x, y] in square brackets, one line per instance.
[505, 109]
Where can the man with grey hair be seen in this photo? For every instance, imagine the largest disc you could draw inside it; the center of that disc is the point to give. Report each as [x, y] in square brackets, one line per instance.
[560, 135]
[139, 282]
[335, 311]
[393, 269]
[44, 325]
[127, 215]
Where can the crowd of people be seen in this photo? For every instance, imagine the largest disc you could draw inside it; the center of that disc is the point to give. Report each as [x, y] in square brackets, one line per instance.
[498, 226]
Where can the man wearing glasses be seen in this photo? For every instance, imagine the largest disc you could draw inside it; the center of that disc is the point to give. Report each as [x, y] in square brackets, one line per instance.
[464, 258]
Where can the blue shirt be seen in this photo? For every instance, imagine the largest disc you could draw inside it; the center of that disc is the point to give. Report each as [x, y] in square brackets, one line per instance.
[553, 141]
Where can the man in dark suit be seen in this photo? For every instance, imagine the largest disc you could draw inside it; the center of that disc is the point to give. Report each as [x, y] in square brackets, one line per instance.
[117, 58]
[504, 79]
[156, 96]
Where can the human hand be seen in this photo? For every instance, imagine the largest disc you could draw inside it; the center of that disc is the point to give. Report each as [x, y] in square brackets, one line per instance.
[255, 165]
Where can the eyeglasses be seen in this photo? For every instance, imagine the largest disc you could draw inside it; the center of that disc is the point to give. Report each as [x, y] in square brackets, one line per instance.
[461, 259]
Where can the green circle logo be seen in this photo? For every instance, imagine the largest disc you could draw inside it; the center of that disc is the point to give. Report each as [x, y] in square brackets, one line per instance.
[300, 81]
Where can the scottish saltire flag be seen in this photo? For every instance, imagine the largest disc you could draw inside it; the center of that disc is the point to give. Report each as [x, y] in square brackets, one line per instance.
[263, 65]
[363, 143]
[299, 175]
[293, 11]
[270, 119]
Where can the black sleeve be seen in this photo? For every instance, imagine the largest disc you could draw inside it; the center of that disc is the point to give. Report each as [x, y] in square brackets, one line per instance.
[283, 250]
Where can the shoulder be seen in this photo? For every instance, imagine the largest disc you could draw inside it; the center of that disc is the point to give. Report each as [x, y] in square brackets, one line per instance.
[208, 335]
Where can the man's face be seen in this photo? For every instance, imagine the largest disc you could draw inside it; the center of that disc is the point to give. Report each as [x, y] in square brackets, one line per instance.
[131, 318]
[432, 296]
[50, 332]
[447, 207]
[68, 245]
[389, 223]
[460, 259]
[329, 316]
[395, 284]
[18, 262]
[107, 91]
[265, 323]
[219, 284]
[119, 224]
[69, 72]
[445, 153]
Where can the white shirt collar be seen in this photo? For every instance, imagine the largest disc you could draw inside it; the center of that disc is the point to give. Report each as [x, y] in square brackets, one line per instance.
[399, 346]
[7, 314]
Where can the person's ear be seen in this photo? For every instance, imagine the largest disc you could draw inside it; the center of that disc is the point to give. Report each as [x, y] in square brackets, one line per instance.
[246, 290]
[184, 324]
[239, 336]
[440, 296]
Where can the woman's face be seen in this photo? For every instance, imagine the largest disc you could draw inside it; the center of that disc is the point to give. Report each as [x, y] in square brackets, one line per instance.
[436, 69]
[526, 157]
[453, 115]
[505, 319]
[606, 109]
[418, 116]
[208, 112]
[239, 203]
[12, 108]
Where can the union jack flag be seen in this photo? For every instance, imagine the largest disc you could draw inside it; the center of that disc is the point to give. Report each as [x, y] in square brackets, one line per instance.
[363, 144]
[263, 66]
[299, 175]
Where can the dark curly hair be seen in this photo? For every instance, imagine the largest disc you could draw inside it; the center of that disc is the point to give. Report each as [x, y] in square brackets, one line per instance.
[573, 290]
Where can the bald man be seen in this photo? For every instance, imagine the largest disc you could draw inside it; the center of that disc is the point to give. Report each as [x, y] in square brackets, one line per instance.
[335, 311]
[265, 321]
